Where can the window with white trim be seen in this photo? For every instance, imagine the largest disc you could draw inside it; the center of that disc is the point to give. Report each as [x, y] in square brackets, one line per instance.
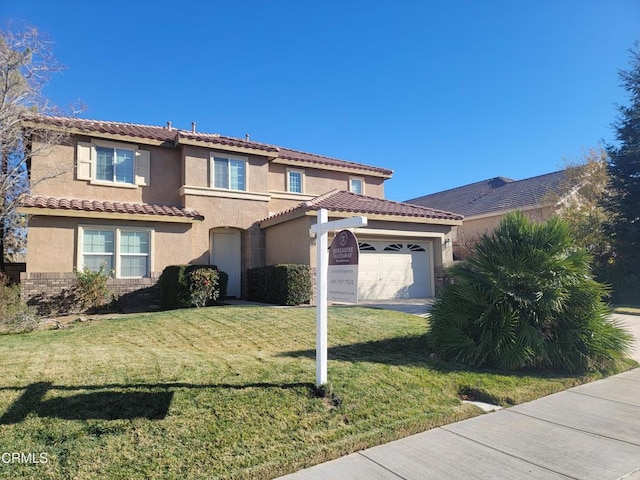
[295, 181]
[124, 251]
[111, 163]
[229, 173]
[356, 185]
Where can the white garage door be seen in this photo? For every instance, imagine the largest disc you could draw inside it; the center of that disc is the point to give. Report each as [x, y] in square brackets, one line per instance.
[389, 270]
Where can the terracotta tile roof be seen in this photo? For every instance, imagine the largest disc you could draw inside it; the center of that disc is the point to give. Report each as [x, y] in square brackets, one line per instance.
[494, 195]
[109, 207]
[115, 128]
[342, 201]
[174, 135]
[222, 140]
[313, 158]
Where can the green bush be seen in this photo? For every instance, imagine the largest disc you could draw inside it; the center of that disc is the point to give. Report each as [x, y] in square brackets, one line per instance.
[15, 316]
[284, 284]
[526, 298]
[91, 288]
[184, 286]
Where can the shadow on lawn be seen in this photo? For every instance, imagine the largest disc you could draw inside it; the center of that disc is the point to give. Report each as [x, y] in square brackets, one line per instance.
[412, 351]
[108, 402]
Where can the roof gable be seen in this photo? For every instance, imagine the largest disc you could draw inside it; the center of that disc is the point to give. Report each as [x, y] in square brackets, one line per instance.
[348, 202]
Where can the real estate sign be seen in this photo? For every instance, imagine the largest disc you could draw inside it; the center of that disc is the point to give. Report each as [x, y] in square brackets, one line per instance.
[343, 268]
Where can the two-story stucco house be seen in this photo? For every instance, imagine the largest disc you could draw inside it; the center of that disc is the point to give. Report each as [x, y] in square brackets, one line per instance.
[137, 198]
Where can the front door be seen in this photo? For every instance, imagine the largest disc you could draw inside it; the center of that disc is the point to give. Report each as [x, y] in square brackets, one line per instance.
[225, 253]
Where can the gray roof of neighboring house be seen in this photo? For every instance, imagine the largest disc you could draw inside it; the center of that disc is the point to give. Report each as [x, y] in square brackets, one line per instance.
[494, 195]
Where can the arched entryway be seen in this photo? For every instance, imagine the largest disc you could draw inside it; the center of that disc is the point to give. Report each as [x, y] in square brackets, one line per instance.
[225, 252]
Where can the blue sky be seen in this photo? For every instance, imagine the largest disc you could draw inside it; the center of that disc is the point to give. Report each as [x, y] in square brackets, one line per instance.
[443, 92]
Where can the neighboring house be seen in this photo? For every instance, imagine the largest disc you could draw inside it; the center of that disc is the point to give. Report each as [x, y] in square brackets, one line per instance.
[484, 203]
[138, 198]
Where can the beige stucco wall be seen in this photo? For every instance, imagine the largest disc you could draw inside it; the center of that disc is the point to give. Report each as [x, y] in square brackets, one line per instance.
[473, 228]
[197, 168]
[317, 181]
[61, 159]
[53, 242]
[290, 242]
[220, 212]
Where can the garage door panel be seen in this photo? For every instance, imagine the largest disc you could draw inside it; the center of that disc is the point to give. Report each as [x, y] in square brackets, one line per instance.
[400, 273]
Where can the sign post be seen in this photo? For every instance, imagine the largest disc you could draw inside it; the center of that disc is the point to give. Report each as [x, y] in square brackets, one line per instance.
[321, 230]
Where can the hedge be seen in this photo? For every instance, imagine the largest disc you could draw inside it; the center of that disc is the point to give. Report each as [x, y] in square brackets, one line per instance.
[284, 284]
[175, 288]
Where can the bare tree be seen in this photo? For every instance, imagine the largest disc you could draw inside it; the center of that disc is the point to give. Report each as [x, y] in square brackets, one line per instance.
[579, 201]
[26, 65]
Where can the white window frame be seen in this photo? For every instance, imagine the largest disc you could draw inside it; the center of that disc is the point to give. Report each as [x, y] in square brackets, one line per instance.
[113, 179]
[357, 179]
[227, 156]
[87, 166]
[117, 255]
[301, 173]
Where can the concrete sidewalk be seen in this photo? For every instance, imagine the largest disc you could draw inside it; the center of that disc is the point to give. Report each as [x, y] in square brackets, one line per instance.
[587, 432]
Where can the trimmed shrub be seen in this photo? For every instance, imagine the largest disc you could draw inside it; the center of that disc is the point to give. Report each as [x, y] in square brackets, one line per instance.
[526, 298]
[284, 284]
[184, 286]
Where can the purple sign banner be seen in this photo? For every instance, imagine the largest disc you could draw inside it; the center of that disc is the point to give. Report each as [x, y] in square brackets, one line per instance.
[343, 268]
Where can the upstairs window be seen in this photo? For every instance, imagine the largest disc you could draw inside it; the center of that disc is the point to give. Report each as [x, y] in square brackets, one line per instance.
[114, 165]
[229, 173]
[356, 185]
[295, 181]
[111, 163]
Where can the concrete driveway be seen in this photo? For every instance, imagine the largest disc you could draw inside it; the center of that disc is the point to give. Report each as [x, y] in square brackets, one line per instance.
[632, 324]
[414, 306]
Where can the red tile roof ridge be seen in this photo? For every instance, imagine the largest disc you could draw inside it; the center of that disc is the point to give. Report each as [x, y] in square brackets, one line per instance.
[319, 198]
[91, 120]
[379, 206]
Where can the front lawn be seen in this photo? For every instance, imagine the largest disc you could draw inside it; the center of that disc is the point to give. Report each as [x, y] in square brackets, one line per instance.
[227, 392]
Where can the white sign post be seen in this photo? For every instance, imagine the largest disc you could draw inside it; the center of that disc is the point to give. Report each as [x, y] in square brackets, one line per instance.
[321, 229]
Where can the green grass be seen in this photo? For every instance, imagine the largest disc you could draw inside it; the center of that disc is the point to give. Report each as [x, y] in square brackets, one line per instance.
[227, 392]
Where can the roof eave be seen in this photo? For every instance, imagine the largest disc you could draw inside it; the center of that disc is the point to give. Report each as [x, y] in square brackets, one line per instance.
[94, 133]
[364, 170]
[210, 144]
[54, 212]
[269, 222]
[501, 212]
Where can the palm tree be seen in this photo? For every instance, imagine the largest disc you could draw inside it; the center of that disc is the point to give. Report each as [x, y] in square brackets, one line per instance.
[526, 298]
